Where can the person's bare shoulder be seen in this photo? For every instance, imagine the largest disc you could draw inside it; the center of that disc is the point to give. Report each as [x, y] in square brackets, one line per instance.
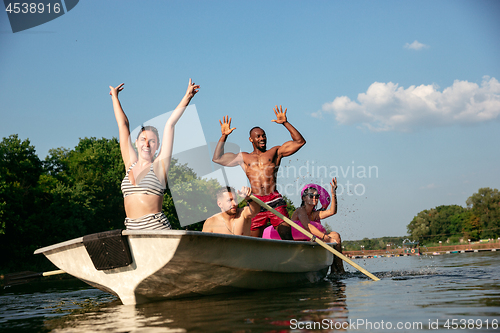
[245, 155]
[295, 215]
[209, 223]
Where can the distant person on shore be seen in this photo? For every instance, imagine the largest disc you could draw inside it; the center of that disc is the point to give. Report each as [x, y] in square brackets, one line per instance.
[146, 178]
[232, 220]
[309, 218]
[261, 167]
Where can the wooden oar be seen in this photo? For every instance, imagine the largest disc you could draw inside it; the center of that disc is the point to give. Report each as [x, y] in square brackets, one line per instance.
[25, 277]
[319, 241]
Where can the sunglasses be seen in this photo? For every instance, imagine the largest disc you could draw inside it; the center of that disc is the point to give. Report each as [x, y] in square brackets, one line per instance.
[311, 195]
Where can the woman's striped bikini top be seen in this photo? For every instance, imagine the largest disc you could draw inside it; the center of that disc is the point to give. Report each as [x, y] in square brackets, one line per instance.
[150, 184]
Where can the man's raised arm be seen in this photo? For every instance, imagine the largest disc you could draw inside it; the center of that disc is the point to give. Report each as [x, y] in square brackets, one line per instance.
[227, 159]
[243, 226]
[289, 147]
[253, 208]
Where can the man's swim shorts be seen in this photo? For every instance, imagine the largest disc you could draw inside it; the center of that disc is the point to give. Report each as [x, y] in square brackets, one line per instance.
[276, 201]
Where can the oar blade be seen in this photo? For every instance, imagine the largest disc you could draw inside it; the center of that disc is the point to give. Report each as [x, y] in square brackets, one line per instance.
[20, 278]
[26, 277]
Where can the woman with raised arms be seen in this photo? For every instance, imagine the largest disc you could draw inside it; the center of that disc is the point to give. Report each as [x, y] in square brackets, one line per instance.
[146, 178]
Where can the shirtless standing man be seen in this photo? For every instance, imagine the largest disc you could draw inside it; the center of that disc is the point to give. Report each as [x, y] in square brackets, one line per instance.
[232, 220]
[261, 167]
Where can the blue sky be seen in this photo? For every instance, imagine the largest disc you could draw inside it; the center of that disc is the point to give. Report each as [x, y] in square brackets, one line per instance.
[409, 88]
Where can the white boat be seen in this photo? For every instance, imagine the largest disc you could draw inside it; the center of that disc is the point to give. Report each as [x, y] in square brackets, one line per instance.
[145, 266]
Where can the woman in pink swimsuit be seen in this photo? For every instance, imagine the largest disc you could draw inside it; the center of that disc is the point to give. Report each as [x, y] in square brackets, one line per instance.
[310, 219]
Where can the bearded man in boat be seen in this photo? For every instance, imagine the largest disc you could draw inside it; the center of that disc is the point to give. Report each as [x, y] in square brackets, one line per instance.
[232, 220]
[261, 167]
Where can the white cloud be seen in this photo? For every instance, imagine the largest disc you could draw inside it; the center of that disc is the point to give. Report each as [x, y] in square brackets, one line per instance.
[416, 46]
[428, 187]
[388, 107]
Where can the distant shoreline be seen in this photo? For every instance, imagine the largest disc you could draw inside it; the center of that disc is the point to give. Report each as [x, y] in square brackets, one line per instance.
[492, 246]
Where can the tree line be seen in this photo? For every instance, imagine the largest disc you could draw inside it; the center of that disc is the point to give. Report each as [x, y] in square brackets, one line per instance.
[374, 243]
[479, 220]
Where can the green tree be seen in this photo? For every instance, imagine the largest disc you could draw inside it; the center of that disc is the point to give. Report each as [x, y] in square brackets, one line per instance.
[20, 169]
[485, 204]
[84, 188]
[194, 197]
[458, 222]
[290, 207]
[420, 225]
[440, 224]
[437, 223]
[56, 161]
[472, 228]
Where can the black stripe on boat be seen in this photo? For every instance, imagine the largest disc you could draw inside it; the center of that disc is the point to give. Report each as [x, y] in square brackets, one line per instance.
[108, 249]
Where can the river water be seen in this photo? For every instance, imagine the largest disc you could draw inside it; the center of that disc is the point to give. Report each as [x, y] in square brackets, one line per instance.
[451, 292]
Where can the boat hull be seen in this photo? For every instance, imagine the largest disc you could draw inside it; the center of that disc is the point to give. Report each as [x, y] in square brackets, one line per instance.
[174, 264]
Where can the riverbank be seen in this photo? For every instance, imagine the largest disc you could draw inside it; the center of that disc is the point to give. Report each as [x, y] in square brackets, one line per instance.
[434, 250]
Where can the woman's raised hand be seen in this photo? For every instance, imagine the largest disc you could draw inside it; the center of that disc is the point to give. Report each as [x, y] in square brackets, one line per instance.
[115, 91]
[225, 127]
[192, 89]
[333, 184]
